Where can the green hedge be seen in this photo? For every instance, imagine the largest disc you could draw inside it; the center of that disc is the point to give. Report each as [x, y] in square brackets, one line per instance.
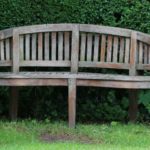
[93, 104]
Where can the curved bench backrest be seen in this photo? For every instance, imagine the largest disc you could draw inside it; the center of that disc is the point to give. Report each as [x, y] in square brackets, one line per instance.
[75, 46]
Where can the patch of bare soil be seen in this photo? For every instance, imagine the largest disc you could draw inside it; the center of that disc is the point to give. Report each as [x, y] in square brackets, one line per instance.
[46, 137]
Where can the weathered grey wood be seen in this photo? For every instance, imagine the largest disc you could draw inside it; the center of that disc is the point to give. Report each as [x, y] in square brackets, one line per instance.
[148, 54]
[89, 47]
[67, 45]
[8, 49]
[68, 75]
[127, 50]
[103, 48]
[27, 47]
[83, 44]
[140, 53]
[7, 33]
[46, 46]
[109, 48]
[133, 48]
[33, 82]
[103, 65]
[21, 46]
[15, 53]
[105, 30]
[46, 63]
[115, 50]
[121, 52]
[34, 47]
[40, 46]
[53, 50]
[145, 54]
[2, 50]
[5, 63]
[72, 102]
[60, 46]
[75, 49]
[96, 47]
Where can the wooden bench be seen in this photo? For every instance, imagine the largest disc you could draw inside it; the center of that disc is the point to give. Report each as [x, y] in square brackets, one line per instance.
[73, 46]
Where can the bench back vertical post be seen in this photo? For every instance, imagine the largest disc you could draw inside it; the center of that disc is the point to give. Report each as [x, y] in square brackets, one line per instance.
[72, 82]
[15, 69]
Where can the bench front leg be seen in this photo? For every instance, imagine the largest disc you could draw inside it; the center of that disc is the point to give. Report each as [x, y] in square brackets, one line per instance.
[72, 102]
[14, 96]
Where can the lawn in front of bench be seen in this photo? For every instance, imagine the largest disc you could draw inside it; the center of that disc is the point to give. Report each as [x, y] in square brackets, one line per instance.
[33, 135]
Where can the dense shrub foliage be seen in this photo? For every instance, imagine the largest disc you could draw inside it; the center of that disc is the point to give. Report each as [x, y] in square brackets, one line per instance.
[93, 104]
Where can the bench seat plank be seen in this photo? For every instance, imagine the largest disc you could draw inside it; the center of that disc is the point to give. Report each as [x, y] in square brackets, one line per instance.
[68, 75]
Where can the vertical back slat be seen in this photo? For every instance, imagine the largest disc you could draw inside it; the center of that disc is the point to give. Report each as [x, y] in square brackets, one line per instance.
[21, 46]
[140, 52]
[27, 47]
[133, 51]
[67, 45]
[145, 54]
[15, 53]
[34, 47]
[127, 50]
[96, 47]
[75, 49]
[115, 49]
[7, 49]
[53, 49]
[89, 47]
[109, 48]
[40, 45]
[121, 53]
[60, 46]
[46, 46]
[2, 50]
[148, 54]
[83, 44]
[103, 48]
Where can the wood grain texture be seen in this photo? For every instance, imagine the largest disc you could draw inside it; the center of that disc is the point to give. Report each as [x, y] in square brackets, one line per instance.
[40, 46]
[2, 50]
[46, 46]
[83, 45]
[115, 49]
[27, 47]
[53, 49]
[103, 48]
[127, 50]
[89, 47]
[8, 49]
[60, 46]
[109, 48]
[34, 47]
[133, 48]
[96, 47]
[72, 102]
[121, 52]
[67, 45]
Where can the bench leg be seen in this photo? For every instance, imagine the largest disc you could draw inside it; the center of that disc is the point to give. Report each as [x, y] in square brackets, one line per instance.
[133, 105]
[72, 102]
[13, 111]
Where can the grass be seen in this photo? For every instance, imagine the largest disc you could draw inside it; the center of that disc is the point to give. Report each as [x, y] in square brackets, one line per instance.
[33, 135]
